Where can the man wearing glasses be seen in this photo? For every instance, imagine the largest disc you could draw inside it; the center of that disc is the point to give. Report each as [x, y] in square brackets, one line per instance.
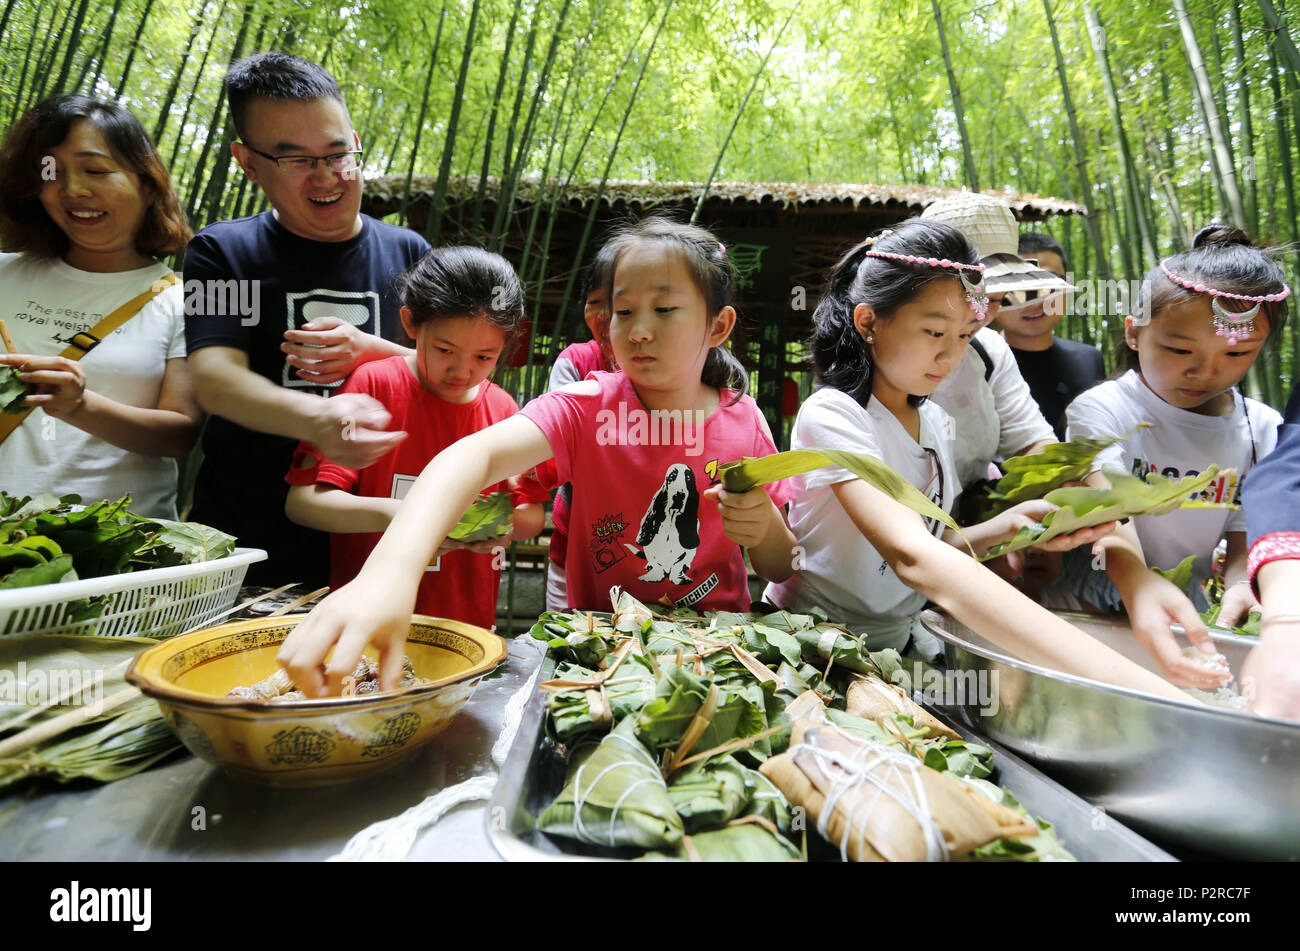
[1056, 369]
[295, 299]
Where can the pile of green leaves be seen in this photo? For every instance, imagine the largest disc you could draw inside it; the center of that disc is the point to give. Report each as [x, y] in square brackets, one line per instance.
[1128, 496]
[12, 391]
[702, 698]
[1032, 477]
[487, 518]
[46, 539]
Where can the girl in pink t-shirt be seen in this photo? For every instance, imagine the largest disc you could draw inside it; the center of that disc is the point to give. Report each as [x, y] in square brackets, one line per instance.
[642, 447]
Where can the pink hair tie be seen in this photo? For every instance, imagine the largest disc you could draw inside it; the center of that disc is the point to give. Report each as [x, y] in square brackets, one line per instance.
[1227, 323]
[722, 248]
[976, 296]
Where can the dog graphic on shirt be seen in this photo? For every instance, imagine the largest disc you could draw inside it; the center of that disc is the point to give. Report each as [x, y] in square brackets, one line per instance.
[670, 529]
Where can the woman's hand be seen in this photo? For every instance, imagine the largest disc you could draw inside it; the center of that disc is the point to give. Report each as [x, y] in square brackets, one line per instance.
[1153, 604]
[370, 609]
[60, 383]
[1270, 677]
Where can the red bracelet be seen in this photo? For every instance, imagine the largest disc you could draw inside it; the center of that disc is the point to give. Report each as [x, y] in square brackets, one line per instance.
[1272, 547]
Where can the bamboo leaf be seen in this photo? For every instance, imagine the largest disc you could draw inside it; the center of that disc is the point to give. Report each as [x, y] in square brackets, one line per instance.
[487, 518]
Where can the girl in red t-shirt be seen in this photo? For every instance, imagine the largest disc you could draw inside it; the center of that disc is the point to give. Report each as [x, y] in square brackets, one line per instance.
[462, 305]
[642, 448]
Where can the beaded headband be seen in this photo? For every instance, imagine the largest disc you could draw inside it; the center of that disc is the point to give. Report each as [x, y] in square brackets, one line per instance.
[976, 296]
[1227, 323]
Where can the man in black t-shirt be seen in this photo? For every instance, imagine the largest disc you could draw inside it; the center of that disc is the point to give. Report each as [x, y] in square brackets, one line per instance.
[1057, 370]
[282, 306]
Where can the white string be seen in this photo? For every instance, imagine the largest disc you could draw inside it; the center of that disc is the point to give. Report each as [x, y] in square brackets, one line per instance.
[391, 840]
[580, 796]
[846, 775]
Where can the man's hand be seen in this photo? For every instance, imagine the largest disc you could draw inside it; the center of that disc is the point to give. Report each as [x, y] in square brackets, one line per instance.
[327, 349]
[350, 430]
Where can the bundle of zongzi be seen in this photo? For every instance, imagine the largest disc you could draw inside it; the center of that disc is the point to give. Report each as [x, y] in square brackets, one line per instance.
[740, 842]
[879, 803]
[614, 795]
[870, 697]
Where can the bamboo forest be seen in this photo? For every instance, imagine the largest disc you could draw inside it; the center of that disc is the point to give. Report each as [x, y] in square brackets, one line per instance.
[1156, 122]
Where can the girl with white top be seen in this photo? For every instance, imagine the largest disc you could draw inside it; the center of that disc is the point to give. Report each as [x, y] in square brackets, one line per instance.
[1203, 317]
[88, 205]
[897, 317]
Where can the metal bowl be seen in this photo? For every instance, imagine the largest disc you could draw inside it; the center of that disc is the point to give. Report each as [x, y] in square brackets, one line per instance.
[308, 742]
[1205, 779]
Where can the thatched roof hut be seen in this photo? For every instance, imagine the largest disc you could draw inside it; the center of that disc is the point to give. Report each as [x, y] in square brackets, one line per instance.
[782, 236]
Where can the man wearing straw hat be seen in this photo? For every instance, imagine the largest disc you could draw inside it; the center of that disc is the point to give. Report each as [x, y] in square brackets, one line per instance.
[994, 412]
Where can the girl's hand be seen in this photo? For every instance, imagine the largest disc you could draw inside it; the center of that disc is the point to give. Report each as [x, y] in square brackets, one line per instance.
[326, 349]
[1152, 606]
[60, 383]
[1035, 510]
[1238, 602]
[1270, 677]
[366, 610]
[746, 516]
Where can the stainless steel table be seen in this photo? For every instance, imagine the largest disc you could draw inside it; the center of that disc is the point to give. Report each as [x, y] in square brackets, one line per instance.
[187, 809]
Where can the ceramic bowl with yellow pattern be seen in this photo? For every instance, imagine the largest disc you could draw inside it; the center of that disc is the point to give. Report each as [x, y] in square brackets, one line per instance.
[317, 741]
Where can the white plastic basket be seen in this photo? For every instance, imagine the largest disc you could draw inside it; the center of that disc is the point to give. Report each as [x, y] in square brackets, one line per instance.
[160, 602]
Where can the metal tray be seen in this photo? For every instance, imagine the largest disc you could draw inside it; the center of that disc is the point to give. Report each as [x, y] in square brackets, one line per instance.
[1206, 780]
[533, 776]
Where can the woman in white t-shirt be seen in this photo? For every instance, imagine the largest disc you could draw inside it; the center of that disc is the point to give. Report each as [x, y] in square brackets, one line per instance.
[89, 208]
[896, 318]
[1203, 317]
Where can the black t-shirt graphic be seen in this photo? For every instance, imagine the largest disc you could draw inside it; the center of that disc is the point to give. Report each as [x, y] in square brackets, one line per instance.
[1058, 374]
[241, 487]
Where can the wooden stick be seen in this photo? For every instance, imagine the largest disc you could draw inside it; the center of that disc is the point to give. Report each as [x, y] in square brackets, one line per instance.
[300, 602]
[64, 721]
[10, 346]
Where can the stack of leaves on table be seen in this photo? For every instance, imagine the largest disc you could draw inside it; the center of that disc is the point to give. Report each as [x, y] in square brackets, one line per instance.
[700, 737]
[62, 673]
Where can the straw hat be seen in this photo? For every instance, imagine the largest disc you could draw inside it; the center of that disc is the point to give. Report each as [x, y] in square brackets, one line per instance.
[988, 224]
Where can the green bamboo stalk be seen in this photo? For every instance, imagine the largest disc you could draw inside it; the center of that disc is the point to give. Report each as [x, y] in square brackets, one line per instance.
[1277, 26]
[433, 229]
[27, 58]
[600, 190]
[498, 216]
[194, 87]
[98, 56]
[1080, 154]
[216, 187]
[192, 203]
[163, 113]
[735, 120]
[1250, 174]
[510, 185]
[135, 45]
[73, 42]
[397, 138]
[44, 67]
[1132, 196]
[972, 178]
[1221, 158]
[419, 122]
[476, 217]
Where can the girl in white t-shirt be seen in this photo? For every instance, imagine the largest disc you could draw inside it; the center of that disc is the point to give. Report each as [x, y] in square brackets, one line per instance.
[1203, 317]
[87, 202]
[897, 317]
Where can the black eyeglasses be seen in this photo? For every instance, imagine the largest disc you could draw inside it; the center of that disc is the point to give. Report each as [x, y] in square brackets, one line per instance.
[298, 165]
